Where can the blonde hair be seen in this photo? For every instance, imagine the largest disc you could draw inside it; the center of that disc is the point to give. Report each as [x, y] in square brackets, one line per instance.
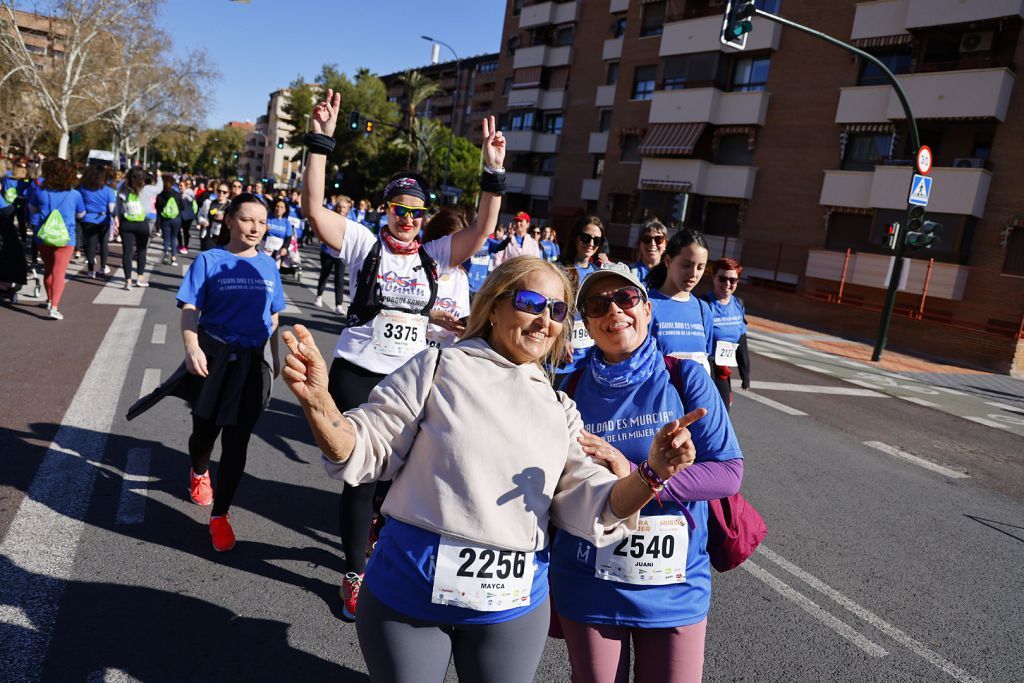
[505, 279]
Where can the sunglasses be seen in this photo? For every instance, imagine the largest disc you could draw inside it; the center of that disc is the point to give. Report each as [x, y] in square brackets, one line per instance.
[401, 210]
[728, 280]
[534, 303]
[655, 239]
[236, 185]
[590, 239]
[535, 232]
[222, 191]
[625, 298]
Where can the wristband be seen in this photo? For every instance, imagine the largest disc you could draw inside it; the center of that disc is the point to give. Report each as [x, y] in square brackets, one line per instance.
[492, 182]
[318, 143]
[651, 478]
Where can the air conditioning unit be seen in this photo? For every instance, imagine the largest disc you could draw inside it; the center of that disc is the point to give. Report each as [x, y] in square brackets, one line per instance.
[968, 163]
[977, 41]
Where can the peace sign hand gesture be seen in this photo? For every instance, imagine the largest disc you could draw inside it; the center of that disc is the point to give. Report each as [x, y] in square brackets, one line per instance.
[672, 449]
[493, 147]
[325, 114]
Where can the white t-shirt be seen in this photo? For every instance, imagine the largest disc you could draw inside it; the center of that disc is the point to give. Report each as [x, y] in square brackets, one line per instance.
[452, 297]
[402, 283]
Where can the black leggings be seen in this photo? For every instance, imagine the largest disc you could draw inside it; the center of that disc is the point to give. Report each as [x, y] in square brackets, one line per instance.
[399, 649]
[350, 386]
[328, 265]
[234, 442]
[95, 240]
[724, 386]
[183, 234]
[134, 242]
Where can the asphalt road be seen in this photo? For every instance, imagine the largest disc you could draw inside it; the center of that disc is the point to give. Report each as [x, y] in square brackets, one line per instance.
[895, 561]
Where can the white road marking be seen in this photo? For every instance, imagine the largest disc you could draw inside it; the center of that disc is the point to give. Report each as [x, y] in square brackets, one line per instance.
[43, 537]
[159, 334]
[134, 487]
[814, 368]
[947, 390]
[769, 402]
[768, 354]
[919, 401]
[920, 462]
[15, 616]
[987, 423]
[110, 676]
[814, 609]
[915, 646]
[803, 350]
[150, 381]
[1003, 406]
[815, 389]
[114, 294]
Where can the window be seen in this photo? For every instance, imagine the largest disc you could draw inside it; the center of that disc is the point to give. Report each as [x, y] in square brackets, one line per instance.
[539, 207]
[734, 150]
[604, 120]
[865, 150]
[621, 212]
[521, 120]
[768, 5]
[619, 26]
[982, 147]
[553, 122]
[847, 231]
[897, 61]
[517, 7]
[653, 18]
[694, 71]
[667, 207]
[598, 166]
[612, 75]
[546, 165]
[564, 35]
[630, 149]
[512, 45]
[1013, 264]
[643, 82]
[487, 67]
[506, 88]
[721, 219]
[750, 73]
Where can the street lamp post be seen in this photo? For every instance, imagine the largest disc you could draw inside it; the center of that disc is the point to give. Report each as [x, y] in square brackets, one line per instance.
[455, 108]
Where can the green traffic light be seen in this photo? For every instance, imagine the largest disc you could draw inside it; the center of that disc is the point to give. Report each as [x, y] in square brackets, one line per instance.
[741, 28]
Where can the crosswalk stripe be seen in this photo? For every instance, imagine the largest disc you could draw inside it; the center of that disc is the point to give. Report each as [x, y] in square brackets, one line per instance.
[769, 402]
[131, 508]
[159, 334]
[920, 462]
[815, 389]
[150, 381]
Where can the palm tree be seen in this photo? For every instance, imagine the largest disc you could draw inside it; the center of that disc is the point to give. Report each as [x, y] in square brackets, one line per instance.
[417, 89]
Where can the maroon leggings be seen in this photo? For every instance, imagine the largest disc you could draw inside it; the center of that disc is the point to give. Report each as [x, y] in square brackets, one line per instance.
[55, 267]
[599, 653]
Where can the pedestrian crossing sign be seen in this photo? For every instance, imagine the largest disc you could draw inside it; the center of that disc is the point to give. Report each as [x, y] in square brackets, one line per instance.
[920, 190]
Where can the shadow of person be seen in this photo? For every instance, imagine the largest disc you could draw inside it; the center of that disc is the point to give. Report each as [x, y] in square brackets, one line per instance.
[530, 485]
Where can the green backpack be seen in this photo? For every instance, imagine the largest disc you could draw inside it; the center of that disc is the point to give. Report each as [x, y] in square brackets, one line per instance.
[54, 232]
[10, 194]
[170, 211]
[133, 210]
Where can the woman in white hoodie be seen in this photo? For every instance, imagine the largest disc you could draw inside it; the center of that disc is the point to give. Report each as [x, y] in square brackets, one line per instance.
[460, 569]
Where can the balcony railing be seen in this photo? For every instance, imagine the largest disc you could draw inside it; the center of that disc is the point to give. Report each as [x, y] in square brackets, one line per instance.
[962, 191]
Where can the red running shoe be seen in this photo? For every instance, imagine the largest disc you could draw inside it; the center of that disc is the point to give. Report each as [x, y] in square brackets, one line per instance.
[199, 488]
[350, 594]
[222, 534]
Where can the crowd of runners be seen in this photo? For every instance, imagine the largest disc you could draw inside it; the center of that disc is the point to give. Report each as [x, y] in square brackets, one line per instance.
[467, 535]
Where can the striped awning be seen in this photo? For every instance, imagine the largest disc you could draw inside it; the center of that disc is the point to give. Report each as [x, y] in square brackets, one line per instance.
[527, 77]
[665, 185]
[884, 41]
[671, 138]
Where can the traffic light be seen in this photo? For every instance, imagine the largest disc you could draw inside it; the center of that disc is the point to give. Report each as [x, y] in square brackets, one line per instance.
[353, 120]
[737, 23]
[235, 156]
[921, 234]
[892, 232]
[280, 143]
[369, 126]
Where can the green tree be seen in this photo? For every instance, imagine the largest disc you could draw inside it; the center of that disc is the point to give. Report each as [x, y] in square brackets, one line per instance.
[417, 88]
[216, 157]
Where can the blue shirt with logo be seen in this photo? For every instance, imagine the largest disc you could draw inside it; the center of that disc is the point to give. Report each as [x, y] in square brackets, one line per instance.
[729, 319]
[681, 326]
[628, 418]
[478, 266]
[236, 296]
[280, 227]
[400, 574]
[550, 250]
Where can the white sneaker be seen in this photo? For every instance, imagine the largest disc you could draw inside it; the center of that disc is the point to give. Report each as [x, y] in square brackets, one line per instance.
[338, 309]
[318, 302]
[127, 284]
[106, 270]
[55, 314]
[141, 283]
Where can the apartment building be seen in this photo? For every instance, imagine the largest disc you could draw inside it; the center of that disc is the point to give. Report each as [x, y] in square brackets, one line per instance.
[789, 153]
[464, 100]
[42, 35]
[281, 165]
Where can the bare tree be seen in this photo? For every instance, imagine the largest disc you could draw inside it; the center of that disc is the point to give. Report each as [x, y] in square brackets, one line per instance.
[73, 86]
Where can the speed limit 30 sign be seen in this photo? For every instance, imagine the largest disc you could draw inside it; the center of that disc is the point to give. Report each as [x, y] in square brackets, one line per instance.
[924, 160]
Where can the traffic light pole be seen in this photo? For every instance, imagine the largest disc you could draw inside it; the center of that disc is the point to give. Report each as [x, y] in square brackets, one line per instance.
[915, 141]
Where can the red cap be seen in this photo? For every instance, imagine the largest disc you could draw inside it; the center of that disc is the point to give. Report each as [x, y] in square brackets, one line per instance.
[523, 216]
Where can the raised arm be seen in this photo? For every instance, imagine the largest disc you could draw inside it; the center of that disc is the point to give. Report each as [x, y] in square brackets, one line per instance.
[465, 243]
[328, 225]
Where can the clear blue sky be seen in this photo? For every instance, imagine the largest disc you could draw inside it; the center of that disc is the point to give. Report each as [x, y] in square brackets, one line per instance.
[263, 45]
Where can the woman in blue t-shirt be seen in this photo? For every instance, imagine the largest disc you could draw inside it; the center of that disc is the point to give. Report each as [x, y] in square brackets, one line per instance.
[650, 249]
[279, 233]
[729, 333]
[653, 589]
[549, 244]
[682, 322]
[56, 204]
[100, 203]
[579, 259]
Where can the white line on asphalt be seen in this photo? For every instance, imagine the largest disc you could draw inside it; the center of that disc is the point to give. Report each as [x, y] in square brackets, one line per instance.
[814, 368]
[159, 334]
[919, 401]
[43, 537]
[768, 354]
[114, 294]
[947, 390]
[814, 609]
[882, 625]
[290, 308]
[920, 462]
[987, 423]
[803, 350]
[1003, 406]
[110, 676]
[815, 389]
[769, 402]
[134, 487]
[15, 616]
[150, 381]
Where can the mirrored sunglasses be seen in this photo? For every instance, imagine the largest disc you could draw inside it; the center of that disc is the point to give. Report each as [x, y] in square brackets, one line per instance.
[401, 210]
[534, 303]
[598, 305]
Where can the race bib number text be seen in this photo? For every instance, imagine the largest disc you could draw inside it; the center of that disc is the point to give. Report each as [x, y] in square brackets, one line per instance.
[655, 555]
[481, 578]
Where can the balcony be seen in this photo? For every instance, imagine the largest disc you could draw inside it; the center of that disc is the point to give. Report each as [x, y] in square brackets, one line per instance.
[618, 6]
[524, 183]
[542, 55]
[531, 141]
[894, 17]
[947, 280]
[598, 143]
[612, 49]
[702, 177]
[591, 189]
[605, 96]
[949, 94]
[702, 35]
[710, 105]
[961, 191]
[536, 98]
[442, 102]
[548, 13]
